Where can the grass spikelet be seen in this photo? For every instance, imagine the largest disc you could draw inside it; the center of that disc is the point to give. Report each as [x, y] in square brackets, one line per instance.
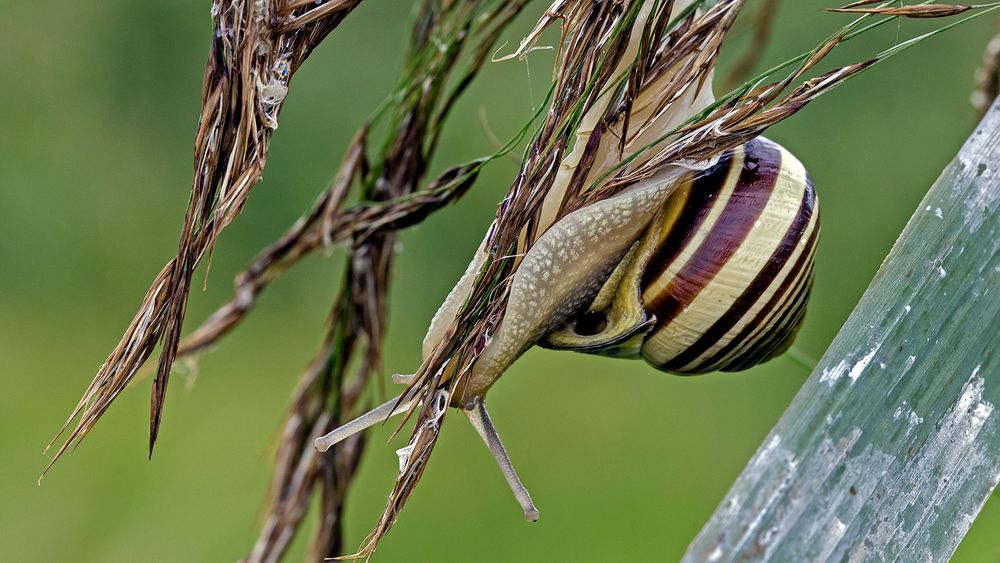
[252, 60]
[922, 11]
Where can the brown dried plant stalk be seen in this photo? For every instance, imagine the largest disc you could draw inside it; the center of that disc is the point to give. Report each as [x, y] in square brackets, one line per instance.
[388, 187]
[391, 198]
[257, 48]
[630, 88]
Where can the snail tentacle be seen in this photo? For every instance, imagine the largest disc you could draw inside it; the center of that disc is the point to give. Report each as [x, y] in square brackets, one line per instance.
[386, 410]
[480, 419]
[403, 378]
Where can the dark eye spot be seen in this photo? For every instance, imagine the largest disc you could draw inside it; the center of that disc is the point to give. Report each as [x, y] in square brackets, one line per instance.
[589, 324]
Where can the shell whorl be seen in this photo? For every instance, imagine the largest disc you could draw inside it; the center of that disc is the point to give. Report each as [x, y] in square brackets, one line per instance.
[721, 278]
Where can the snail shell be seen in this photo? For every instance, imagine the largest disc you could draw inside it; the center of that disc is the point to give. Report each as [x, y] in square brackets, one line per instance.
[693, 271]
[721, 277]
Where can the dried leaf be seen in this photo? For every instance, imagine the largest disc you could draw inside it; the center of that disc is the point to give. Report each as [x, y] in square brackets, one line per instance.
[921, 11]
[863, 3]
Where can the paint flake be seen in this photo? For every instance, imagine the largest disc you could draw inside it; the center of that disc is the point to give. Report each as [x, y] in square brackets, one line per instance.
[859, 367]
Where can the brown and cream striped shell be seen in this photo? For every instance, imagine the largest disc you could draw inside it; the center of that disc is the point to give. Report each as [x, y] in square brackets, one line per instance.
[721, 277]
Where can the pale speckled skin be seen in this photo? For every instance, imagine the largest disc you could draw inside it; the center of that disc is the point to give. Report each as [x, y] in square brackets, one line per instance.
[448, 310]
[564, 271]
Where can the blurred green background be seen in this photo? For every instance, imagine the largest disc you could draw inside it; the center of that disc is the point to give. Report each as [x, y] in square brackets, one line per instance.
[100, 105]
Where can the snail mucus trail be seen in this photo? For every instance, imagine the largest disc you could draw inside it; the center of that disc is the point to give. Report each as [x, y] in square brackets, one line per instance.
[716, 278]
[693, 269]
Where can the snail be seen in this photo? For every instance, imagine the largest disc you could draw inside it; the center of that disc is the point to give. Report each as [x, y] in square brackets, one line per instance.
[716, 278]
[691, 270]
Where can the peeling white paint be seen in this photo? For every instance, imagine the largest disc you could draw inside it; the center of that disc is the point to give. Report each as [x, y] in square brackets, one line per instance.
[859, 367]
[985, 201]
[853, 372]
[829, 538]
[947, 459]
[906, 414]
[733, 504]
[831, 376]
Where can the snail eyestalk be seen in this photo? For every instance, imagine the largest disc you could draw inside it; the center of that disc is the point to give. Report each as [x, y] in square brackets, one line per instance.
[402, 378]
[386, 410]
[480, 419]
